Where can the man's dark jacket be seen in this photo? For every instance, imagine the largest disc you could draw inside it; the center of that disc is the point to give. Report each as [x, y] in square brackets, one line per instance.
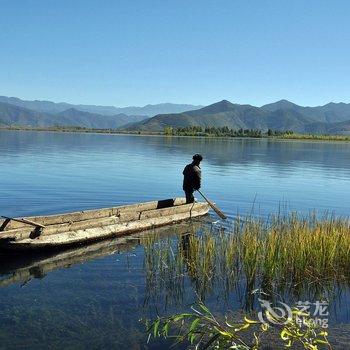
[192, 177]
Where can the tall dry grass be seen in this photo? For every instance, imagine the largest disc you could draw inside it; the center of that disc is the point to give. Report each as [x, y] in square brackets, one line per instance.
[282, 253]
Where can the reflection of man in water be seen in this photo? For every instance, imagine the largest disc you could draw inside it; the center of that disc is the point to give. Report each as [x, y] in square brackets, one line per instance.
[192, 178]
[186, 253]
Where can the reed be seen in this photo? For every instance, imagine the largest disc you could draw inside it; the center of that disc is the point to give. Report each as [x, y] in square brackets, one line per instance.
[290, 253]
[278, 257]
[318, 137]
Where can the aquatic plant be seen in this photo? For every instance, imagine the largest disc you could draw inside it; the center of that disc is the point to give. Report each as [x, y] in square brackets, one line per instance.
[281, 254]
[278, 257]
[202, 330]
[318, 137]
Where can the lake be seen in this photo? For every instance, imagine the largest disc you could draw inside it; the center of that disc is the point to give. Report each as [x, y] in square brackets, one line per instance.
[98, 301]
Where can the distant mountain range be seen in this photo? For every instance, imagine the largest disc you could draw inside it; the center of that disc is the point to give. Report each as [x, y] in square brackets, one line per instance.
[11, 115]
[53, 108]
[332, 118]
[17, 112]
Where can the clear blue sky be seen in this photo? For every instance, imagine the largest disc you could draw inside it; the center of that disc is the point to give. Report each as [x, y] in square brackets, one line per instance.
[128, 52]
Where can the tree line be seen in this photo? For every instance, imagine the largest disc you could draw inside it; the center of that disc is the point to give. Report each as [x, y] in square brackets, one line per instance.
[222, 132]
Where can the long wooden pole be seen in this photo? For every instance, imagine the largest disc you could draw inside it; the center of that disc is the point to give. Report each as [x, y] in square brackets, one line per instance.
[214, 207]
[25, 221]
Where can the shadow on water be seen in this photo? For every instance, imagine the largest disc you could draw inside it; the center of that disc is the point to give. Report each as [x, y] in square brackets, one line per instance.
[21, 267]
[16, 268]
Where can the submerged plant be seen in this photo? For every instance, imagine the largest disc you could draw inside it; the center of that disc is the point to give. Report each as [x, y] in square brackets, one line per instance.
[202, 330]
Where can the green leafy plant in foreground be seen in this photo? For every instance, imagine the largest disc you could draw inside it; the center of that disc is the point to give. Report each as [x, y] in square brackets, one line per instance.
[202, 330]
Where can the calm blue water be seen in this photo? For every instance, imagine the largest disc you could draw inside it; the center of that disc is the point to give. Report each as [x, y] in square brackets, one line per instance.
[45, 173]
[98, 303]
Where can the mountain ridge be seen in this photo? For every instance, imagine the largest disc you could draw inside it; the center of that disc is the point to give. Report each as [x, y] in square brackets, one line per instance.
[11, 115]
[57, 107]
[280, 116]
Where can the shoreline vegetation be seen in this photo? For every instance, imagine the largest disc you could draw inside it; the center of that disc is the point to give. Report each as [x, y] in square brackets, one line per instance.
[287, 258]
[203, 330]
[193, 131]
[290, 255]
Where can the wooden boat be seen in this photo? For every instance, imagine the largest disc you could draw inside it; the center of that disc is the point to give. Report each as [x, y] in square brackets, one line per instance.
[43, 232]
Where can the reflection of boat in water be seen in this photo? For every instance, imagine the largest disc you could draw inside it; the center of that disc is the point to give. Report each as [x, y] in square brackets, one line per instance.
[23, 268]
[42, 232]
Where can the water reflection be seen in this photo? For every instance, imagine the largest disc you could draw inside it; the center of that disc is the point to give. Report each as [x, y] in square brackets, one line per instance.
[218, 152]
[164, 270]
[44, 173]
[22, 268]
[210, 265]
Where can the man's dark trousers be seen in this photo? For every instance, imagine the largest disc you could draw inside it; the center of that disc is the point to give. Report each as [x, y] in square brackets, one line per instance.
[189, 196]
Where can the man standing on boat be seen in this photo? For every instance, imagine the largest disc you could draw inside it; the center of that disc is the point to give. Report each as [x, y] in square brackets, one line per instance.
[192, 178]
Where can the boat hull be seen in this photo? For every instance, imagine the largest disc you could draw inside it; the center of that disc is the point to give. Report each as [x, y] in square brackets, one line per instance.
[57, 231]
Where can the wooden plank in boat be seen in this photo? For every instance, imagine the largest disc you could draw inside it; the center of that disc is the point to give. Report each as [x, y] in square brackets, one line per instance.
[92, 214]
[97, 233]
[124, 216]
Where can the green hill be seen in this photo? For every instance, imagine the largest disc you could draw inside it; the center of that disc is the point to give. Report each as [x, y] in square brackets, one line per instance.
[332, 118]
[280, 116]
[329, 113]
